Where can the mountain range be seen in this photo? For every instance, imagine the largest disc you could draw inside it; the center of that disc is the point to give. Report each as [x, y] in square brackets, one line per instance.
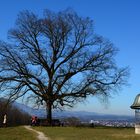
[82, 115]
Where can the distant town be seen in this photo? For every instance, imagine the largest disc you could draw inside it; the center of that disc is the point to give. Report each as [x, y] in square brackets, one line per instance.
[113, 123]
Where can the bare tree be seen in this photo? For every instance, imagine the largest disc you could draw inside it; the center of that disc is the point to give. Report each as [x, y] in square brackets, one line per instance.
[57, 60]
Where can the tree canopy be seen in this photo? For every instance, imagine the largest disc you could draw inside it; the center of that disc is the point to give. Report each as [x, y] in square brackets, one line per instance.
[57, 60]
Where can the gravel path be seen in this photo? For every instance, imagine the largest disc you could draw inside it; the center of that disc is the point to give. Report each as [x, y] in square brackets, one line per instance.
[40, 136]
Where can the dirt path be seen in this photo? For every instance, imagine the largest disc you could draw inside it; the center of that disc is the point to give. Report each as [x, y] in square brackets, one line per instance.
[40, 136]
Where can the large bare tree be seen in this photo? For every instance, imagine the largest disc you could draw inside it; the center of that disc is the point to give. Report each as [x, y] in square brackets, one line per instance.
[57, 60]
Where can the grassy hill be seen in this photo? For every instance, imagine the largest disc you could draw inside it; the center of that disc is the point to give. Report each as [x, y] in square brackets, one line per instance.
[69, 133]
[73, 133]
[16, 133]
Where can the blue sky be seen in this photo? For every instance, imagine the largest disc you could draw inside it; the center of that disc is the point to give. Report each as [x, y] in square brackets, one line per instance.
[117, 20]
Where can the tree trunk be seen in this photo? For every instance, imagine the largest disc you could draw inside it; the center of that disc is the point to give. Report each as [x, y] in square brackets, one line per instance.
[49, 114]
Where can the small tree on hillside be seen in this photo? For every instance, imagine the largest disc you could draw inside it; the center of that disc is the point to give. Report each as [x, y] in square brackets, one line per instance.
[57, 60]
[14, 115]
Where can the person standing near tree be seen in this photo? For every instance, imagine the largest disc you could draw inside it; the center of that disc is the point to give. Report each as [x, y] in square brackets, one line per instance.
[4, 120]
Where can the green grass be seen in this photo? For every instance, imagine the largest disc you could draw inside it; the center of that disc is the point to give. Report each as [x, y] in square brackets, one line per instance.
[69, 133]
[16, 133]
[72, 133]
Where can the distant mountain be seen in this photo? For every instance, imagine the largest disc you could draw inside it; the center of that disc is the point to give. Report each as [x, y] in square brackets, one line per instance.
[82, 115]
[31, 111]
